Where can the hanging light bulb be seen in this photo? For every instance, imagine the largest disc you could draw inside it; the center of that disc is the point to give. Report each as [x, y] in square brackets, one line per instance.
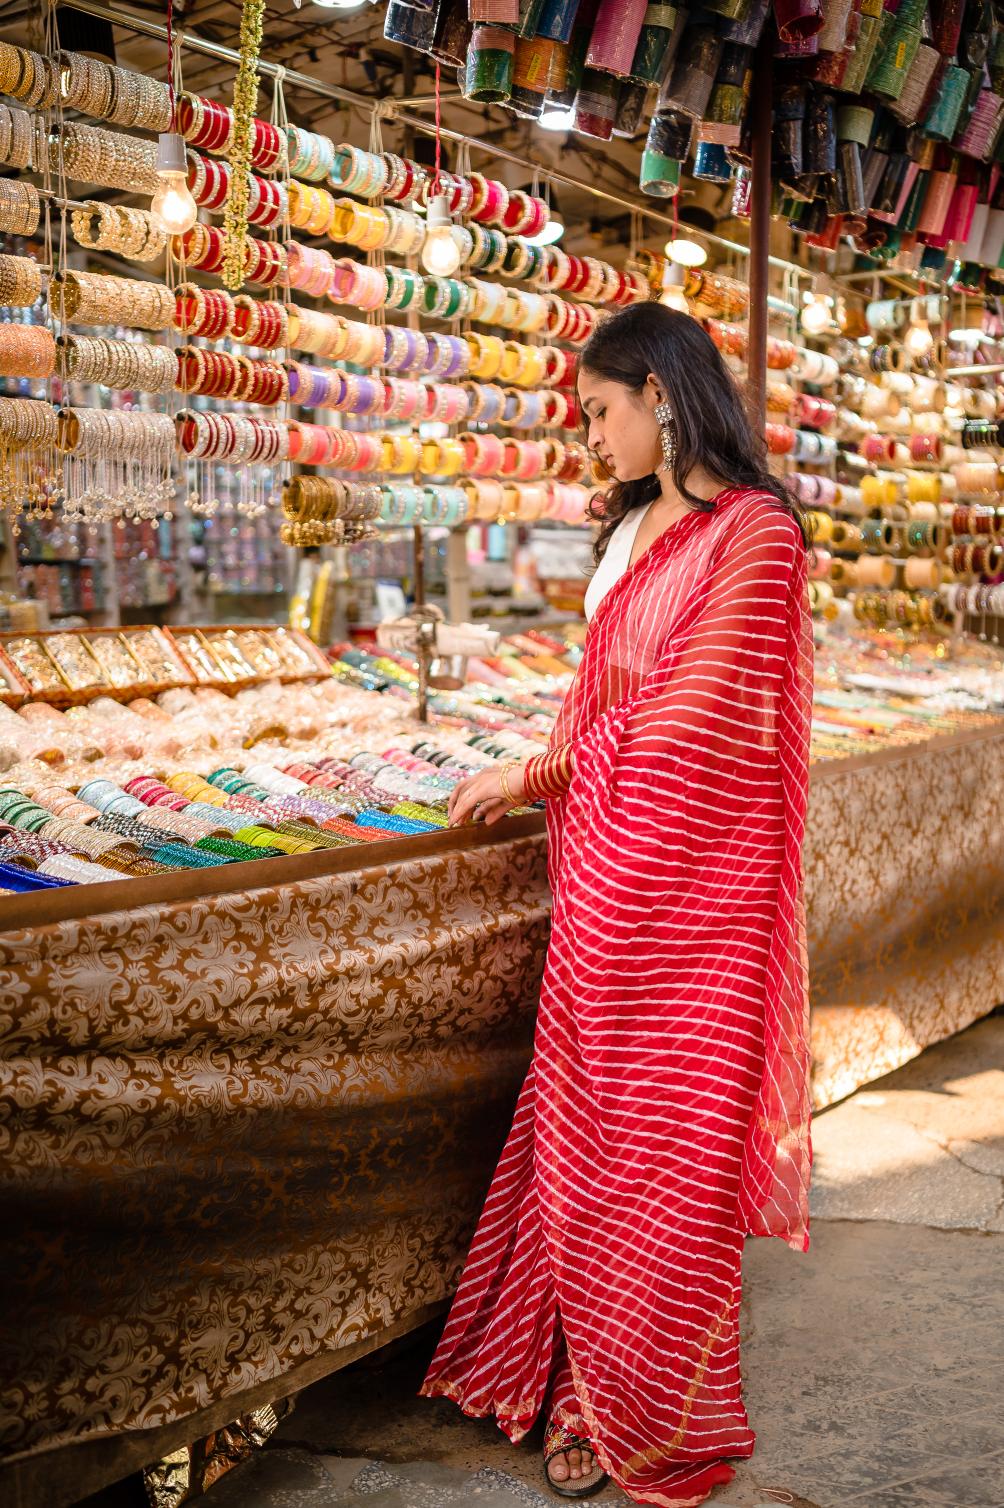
[815, 317]
[673, 296]
[918, 340]
[172, 205]
[686, 252]
[553, 118]
[440, 252]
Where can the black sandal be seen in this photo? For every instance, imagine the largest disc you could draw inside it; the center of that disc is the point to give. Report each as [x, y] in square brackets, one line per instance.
[557, 1441]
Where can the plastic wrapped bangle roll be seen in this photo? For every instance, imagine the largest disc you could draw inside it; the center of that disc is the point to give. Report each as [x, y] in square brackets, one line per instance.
[650, 55]
[489, 73]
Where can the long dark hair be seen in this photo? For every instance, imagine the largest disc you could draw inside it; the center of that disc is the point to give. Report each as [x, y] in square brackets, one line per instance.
[713, 429]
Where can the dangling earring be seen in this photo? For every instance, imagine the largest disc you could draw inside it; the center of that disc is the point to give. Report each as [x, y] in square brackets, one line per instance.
[667, 436]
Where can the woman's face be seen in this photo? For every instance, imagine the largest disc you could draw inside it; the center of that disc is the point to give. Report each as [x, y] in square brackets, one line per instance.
[623, 431]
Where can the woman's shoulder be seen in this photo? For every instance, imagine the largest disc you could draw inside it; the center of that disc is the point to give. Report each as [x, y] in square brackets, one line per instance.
[752, 510]
[754, 525]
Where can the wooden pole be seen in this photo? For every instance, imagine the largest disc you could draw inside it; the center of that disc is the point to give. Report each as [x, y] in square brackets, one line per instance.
[760, 196]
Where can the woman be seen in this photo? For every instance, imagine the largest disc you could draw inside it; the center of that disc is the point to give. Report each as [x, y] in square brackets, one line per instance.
[666, 1112]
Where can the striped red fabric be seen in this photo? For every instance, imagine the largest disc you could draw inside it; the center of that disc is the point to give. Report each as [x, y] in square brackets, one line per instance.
[666, 1113]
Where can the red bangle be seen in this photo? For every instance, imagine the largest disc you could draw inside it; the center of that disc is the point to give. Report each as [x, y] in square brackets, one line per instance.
[494, 203]
[268, 146]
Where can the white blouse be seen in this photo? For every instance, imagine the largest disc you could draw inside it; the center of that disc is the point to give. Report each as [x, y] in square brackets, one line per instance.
[616, 560]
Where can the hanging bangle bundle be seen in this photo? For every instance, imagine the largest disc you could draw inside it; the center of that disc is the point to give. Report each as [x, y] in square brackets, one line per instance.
[312, 508]
[204, 123]
[309, 269]
[91, 154]
[217, 374]
[20, 207]
[265, 262]
[20, 282]
[358, 172]
[26, 351]
[130, 233]
[119, 364]
[310, 155]
[98, 298]
[235, 438]
[17, 138]
[27, 440]
[310, 208]
[105, 92]
[28, 77]
[116, 462]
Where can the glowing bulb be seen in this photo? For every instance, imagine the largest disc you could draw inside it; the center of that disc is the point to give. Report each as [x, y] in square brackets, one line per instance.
[815, 317]
[919, 340]
[172, 205]
[675, 298]
[554, 119]
[672, 296]
[440, 252]
[686, 252]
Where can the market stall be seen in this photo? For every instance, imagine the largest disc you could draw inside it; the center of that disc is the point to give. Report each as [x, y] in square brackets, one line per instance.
[298, 1069]
[262, 1019]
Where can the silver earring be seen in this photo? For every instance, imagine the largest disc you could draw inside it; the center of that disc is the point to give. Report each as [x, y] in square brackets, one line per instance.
[667, 435]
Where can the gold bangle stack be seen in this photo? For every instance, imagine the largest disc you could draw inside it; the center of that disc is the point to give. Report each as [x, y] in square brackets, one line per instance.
[27, 435]
[312, 505]
[85, 84]
[26, 351]
[26, 423]
[90, 154]
[20, 207]
[17, 138]
[131, 233]
[121, 364]
[98, 298]
[28, 77]
[20, 282]
[136, 100]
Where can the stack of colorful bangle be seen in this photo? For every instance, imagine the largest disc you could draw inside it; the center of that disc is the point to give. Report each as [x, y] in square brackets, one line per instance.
[209, 184]
[235, 438]
[311, 156]
[217, 374]
[214, 314]
[204, 245]
[323, 510]
[206, 124]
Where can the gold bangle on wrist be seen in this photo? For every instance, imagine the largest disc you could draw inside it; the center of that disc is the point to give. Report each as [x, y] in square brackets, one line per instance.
[510, 764]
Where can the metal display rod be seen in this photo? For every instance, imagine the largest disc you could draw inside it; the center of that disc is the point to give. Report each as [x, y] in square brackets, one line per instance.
[129, 21]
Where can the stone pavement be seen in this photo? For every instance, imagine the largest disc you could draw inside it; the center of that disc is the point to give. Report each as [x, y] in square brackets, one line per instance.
[873, 1367]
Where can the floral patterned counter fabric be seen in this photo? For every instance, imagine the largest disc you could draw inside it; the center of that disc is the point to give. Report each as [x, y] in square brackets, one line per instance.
[237, 1132]
[904, 905]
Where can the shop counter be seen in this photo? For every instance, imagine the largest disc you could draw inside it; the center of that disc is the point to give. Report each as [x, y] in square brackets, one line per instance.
[255, 1111]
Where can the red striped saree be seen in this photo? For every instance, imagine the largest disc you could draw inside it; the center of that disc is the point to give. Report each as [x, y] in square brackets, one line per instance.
[666, 1113]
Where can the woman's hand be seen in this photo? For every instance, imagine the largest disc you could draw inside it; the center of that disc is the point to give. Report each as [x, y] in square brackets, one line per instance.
[480, 796]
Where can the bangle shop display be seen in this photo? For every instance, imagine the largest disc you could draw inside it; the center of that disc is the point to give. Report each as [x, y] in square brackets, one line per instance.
[232, 911]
